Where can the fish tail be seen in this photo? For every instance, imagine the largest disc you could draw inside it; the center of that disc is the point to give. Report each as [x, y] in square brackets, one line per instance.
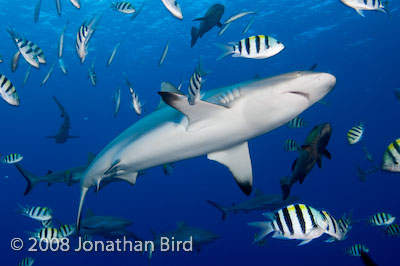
[219, 207]
[21, 208]
[32, 179]
[266, 228]
[285, 187]
[227, 50]
[195, 36]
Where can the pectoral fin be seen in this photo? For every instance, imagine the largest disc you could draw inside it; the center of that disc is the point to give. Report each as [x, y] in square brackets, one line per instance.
[198, 112]
[360, 12]
[199, 19]
[237, 159]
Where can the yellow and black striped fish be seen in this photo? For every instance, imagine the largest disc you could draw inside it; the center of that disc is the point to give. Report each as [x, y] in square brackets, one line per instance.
[12, 158]
[66, 230]
[254, 47]
[355, 134]
[123, 7]
[392, 230]
[291, 145]
[49, 234]
[381, 219]
[333, 228]
[28, 261]
[8, 91]
[356, 250]
[296, 122]
[296, 221]
[391, 157]
[194, 88]
[36, 213]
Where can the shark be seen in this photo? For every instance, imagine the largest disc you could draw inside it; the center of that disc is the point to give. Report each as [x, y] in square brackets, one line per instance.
[260, 201]
[310, 153]
[103, 225]
[63, 133]
[219, 125]
[210, 20]
[69, 176]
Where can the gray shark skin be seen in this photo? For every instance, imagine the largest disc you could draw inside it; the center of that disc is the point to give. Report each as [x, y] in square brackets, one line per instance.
[183, 232]
[95, 225]
[310, 154]
[209, 21]
[218, 126]
[70, 176]
[260, 201]
[63, 133]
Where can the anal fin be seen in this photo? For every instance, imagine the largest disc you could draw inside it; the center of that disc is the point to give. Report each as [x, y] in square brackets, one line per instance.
[237, 159]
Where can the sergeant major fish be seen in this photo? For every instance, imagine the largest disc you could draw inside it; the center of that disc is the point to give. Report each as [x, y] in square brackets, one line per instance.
[311, 152]
[355, 134]
[8, 92]
[391, 157]
[28, 261]
[123, 7]
[291, 145]
[361, 5]
[381, 219]
[136, 105]
[84, 35]
[36, 213]
[296, 122]
[12, 158]
[356, 250]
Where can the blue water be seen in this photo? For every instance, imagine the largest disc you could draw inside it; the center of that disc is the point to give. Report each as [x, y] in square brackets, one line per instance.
[361, 52]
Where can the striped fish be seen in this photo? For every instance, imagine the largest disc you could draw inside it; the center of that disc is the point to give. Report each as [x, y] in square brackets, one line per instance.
[296, 221]
[355, 134]
[369, 5]
[381, 219]
[26, 262]
[333, 228]
[391, 157]
[76, 3]
[30, 51]
[123, 7]
[8, 91]
[15, 61]
[296, 122]
[255, 47]
[291, 145]
[83, 37]
[49, 234]
[356, 250]
[392, 230]
[136, 105]
[47, 223]
[36, 213]
[66, 230]
[344, 224]
[12, 158]
[194, 88]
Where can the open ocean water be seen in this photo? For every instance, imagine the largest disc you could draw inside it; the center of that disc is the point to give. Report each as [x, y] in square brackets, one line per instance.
[362, 53]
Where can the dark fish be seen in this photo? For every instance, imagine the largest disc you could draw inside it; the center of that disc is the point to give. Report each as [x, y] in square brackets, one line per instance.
[366, 259]
[37, 11]
[211, 19]
[63, 134]
[313, 67]
[310, 153]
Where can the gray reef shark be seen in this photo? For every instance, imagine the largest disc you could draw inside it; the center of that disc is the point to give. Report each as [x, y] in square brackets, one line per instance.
[70, 176]
[210, 20]
[260, 201]
[63, 132]
[219, 126]
[311, 153]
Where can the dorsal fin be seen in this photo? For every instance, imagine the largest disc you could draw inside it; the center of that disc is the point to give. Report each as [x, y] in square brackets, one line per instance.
[200, 111]
[167, 87]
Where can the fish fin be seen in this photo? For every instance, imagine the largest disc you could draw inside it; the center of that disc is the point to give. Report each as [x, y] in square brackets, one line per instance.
[113, 168]
[130, 178]
[195, 36]
[219, 207]
[167, 87]
[360, 12]
[326, 153]
[266, 229]
[237, 159]
[199, 19]
[32, 179]
[330, 240]
[294, 165]
[201, 111]
[304, 242]
[258, 192]
[219, 24]
[91, 157]
[227, 50]
[84, 191]
[319, 162]
[269, 215]
[285, 187]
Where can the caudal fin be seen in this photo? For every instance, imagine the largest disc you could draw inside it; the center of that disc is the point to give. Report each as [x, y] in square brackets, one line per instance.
[285, 187]
[266, 228]
[219, 207]
[32, 179]
[227, 50]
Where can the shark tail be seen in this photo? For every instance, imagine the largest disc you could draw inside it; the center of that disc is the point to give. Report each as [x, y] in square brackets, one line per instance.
[84, 191]
[266, 228]
[219, 207]
[195, 36]
[32, 179]
[227, 50]
[285, 187]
